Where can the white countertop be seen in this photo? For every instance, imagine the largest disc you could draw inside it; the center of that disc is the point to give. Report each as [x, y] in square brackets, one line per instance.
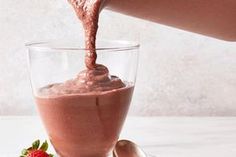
[160, 136]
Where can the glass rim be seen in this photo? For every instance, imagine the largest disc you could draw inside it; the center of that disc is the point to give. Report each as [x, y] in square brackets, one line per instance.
[123, 45]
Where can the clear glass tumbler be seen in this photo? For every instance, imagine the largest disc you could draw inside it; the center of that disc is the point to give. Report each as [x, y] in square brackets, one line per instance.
[82, 124]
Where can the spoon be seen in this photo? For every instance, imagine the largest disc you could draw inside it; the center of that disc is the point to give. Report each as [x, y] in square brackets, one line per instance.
[125, 148]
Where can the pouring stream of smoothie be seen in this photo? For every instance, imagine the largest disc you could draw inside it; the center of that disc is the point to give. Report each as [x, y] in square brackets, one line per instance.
[88, 13]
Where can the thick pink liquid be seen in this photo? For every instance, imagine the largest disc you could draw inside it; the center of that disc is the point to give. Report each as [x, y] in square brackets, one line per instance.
[85, 125]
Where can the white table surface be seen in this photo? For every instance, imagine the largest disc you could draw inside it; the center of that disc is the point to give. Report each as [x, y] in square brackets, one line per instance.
[160, 136]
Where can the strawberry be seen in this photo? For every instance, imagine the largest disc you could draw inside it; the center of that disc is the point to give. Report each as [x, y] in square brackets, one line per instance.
[36, 150]
[37, 153]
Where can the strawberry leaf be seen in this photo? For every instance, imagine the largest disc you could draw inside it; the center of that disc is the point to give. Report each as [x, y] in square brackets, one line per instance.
[36, 144]
[24, 152]
[44, 146]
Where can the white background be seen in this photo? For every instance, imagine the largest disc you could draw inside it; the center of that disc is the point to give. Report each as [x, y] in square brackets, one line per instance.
[180, 73]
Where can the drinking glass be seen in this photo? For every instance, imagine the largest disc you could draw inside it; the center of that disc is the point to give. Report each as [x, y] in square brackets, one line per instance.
[81, 124]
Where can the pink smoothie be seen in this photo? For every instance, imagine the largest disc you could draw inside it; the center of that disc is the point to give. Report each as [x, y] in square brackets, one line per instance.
[84, 115]
[84, 125]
